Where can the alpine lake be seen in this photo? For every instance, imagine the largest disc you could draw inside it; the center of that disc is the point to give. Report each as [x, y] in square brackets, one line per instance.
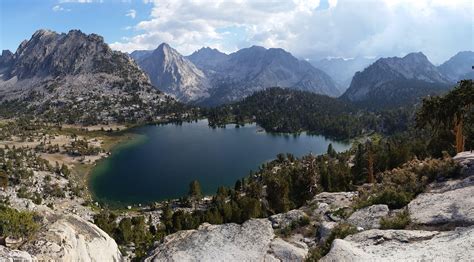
[161, 162]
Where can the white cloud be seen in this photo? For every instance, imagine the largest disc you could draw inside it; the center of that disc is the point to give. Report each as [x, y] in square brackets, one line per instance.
[131, 13]
[58, 8]
[347, 28]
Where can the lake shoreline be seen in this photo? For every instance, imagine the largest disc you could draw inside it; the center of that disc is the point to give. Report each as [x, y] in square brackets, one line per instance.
[193, 124]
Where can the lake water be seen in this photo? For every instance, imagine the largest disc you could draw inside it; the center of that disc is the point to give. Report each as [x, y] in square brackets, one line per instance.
[162, 162]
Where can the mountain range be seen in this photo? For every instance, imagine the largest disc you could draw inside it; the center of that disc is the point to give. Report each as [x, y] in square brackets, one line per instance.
[75, 77]
[216, 78]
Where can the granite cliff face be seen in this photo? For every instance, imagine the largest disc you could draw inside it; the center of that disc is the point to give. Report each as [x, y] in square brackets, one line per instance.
[254, 240]
[53, 73]
[174, 74]
[65, 238]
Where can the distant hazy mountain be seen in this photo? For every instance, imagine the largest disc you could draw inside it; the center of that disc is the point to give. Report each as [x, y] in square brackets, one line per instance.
[174, 74]
[225, 78]
[75, 77]
[394, 81]
[459, 66]
[342, 70]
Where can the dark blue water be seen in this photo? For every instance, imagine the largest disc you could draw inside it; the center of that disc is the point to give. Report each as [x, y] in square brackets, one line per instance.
[162, 162]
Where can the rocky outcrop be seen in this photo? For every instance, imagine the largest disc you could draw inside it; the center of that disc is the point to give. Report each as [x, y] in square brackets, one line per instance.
[324, 205]
[252, 241]
[325, 229]
[71, 238]
[285, 219]
[449, 202]
[466, 161]
[7, 254]
[368, 217]
[404, 245]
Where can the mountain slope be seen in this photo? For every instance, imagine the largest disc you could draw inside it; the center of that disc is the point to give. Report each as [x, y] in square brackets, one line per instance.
[459, 66]
[207, 58]
[76, 78]
[342, 70]
[394, 81]
[256, 68]
[174, 74]
[138, 54]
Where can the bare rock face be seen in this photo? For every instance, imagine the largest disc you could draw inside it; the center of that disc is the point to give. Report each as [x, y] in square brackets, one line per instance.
[326, 203]
[449, 202]
[285, 219]
[71, 238]
[325, 230]
[450, 207]
[404, 245]
[466, 160]
[252, 241]
[174, 74]
[368, 217]
[7, 254]
[337, 199]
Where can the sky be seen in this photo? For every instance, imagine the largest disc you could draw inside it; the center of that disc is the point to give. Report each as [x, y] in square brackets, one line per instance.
[309, 29]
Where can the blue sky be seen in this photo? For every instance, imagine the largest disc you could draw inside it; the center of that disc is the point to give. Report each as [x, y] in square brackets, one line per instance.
[21, 18]
[310, 29]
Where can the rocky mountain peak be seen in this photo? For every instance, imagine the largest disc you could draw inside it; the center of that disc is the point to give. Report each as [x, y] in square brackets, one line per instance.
[6, 53]
[48, 53]
[173, 73]
[57, 69]
[412, 75]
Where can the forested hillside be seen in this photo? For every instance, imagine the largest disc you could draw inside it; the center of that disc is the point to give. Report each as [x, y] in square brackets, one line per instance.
[285, 110]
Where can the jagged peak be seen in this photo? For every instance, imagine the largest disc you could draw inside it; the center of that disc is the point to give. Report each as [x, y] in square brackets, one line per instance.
[43, 32]
[6, 52]
[164, 46]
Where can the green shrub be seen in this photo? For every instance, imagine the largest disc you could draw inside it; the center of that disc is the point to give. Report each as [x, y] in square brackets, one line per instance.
[339, 232]
[16, 223]
[390, 197]
[400, 221]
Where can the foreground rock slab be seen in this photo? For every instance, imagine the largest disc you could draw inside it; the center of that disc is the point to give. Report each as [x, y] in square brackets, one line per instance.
[368, 217]
[404, 245]
[447, 203]
[71, 238]
[254, 240]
